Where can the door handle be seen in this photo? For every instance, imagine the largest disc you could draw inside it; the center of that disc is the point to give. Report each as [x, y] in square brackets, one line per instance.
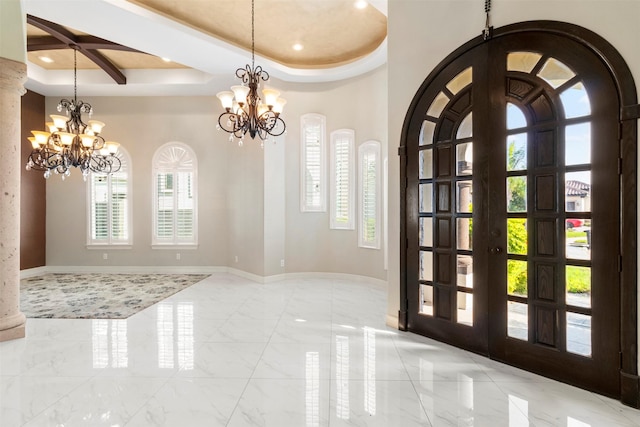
[496, 250]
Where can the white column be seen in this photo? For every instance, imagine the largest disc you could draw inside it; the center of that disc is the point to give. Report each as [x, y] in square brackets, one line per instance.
[13, 74]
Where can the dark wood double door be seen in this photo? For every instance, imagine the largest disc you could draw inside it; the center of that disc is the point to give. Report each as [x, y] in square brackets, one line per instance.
[512, 208]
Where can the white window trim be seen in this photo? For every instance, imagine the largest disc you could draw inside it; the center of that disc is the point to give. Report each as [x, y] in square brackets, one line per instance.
[110, 244]
[307, 120]
[337, 135]
[181, 246]
[385, 211]
[115, 246]
[174, 243]
[369, 146]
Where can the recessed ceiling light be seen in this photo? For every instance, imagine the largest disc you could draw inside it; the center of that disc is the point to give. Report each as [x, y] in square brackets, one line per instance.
[45, 59]
[166, 59]
[361, 4]
[298, 46]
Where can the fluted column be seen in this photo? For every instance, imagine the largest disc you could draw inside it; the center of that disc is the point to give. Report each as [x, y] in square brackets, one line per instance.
[13, 74]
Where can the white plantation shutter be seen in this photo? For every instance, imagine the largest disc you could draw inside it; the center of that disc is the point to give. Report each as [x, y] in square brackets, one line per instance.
[99, 207]
[342, 179]
[175, 195]
[184, 201]
[313, 154]
[119, 207]
[109, 205]
[369, 194]
[164, 203]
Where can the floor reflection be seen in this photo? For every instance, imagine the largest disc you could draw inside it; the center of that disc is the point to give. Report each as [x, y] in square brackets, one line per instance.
[109, 342]
[175, 335]
[312, 397]
[342, 377]
[370, 370]
[572, 422]
[518, 411]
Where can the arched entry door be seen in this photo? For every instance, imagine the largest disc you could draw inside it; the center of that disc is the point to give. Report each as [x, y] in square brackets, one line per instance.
[513, 212]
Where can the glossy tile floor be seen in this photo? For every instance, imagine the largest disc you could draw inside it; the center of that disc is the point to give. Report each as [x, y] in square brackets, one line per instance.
[231, 352]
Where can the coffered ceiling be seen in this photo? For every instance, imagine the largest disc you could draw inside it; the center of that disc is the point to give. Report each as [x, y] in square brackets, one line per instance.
[204, 41]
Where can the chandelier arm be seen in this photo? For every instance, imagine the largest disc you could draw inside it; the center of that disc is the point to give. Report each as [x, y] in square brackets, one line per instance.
[103, 164]
[278, 121]
[262, 74]
[98, 143]
[230, 122]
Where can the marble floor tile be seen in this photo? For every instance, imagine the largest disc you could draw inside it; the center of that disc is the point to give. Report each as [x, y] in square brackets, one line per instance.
[222, 360]
[376, 403]
[99, 402]
[366, 355]
[294, 353]
[22, 398]
[239, 329]
[294, 361]
[279, 403]
[468, 403]
[191, 402]
[551, 403]
[292, 329]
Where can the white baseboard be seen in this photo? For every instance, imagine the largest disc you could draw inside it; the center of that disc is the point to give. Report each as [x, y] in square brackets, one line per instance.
[245, 274]
[197, 270]
[121, 269]
[32, 272]
[392, 321]
[325, 275]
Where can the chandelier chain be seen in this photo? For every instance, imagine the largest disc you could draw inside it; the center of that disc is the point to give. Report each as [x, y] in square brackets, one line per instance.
[487, 23]
[75, 75]
[253, 43]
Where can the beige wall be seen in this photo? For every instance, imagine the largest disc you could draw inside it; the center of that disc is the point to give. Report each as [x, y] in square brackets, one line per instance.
[248, 202]
[141, 125]
[359, 104]
[423, 32]
[12, 39]
[245, 193]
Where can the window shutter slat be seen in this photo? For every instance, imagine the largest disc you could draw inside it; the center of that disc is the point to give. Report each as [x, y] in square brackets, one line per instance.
[369, 167]
[109, 205]
[342, 177]
[313, 163]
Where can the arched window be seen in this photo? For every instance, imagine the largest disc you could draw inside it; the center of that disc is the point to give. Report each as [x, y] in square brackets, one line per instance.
[369, 174]
[175, 219]
[313, 193]
[109, 205]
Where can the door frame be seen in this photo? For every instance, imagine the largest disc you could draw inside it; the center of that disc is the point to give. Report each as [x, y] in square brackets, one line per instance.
[628, 113]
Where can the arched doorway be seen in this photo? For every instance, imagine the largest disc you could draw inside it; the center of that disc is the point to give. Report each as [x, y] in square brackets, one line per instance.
[519, 211]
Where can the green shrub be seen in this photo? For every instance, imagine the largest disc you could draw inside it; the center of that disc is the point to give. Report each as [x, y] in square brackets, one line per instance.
[578, 279]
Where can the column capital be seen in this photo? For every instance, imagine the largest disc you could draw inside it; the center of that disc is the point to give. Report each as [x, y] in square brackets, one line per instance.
[13, 75]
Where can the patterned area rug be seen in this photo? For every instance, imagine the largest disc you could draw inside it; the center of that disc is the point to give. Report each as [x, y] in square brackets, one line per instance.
[98, 296]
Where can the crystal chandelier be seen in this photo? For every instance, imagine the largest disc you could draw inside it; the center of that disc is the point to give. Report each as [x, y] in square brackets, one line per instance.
[245, 111]
[72, 143]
